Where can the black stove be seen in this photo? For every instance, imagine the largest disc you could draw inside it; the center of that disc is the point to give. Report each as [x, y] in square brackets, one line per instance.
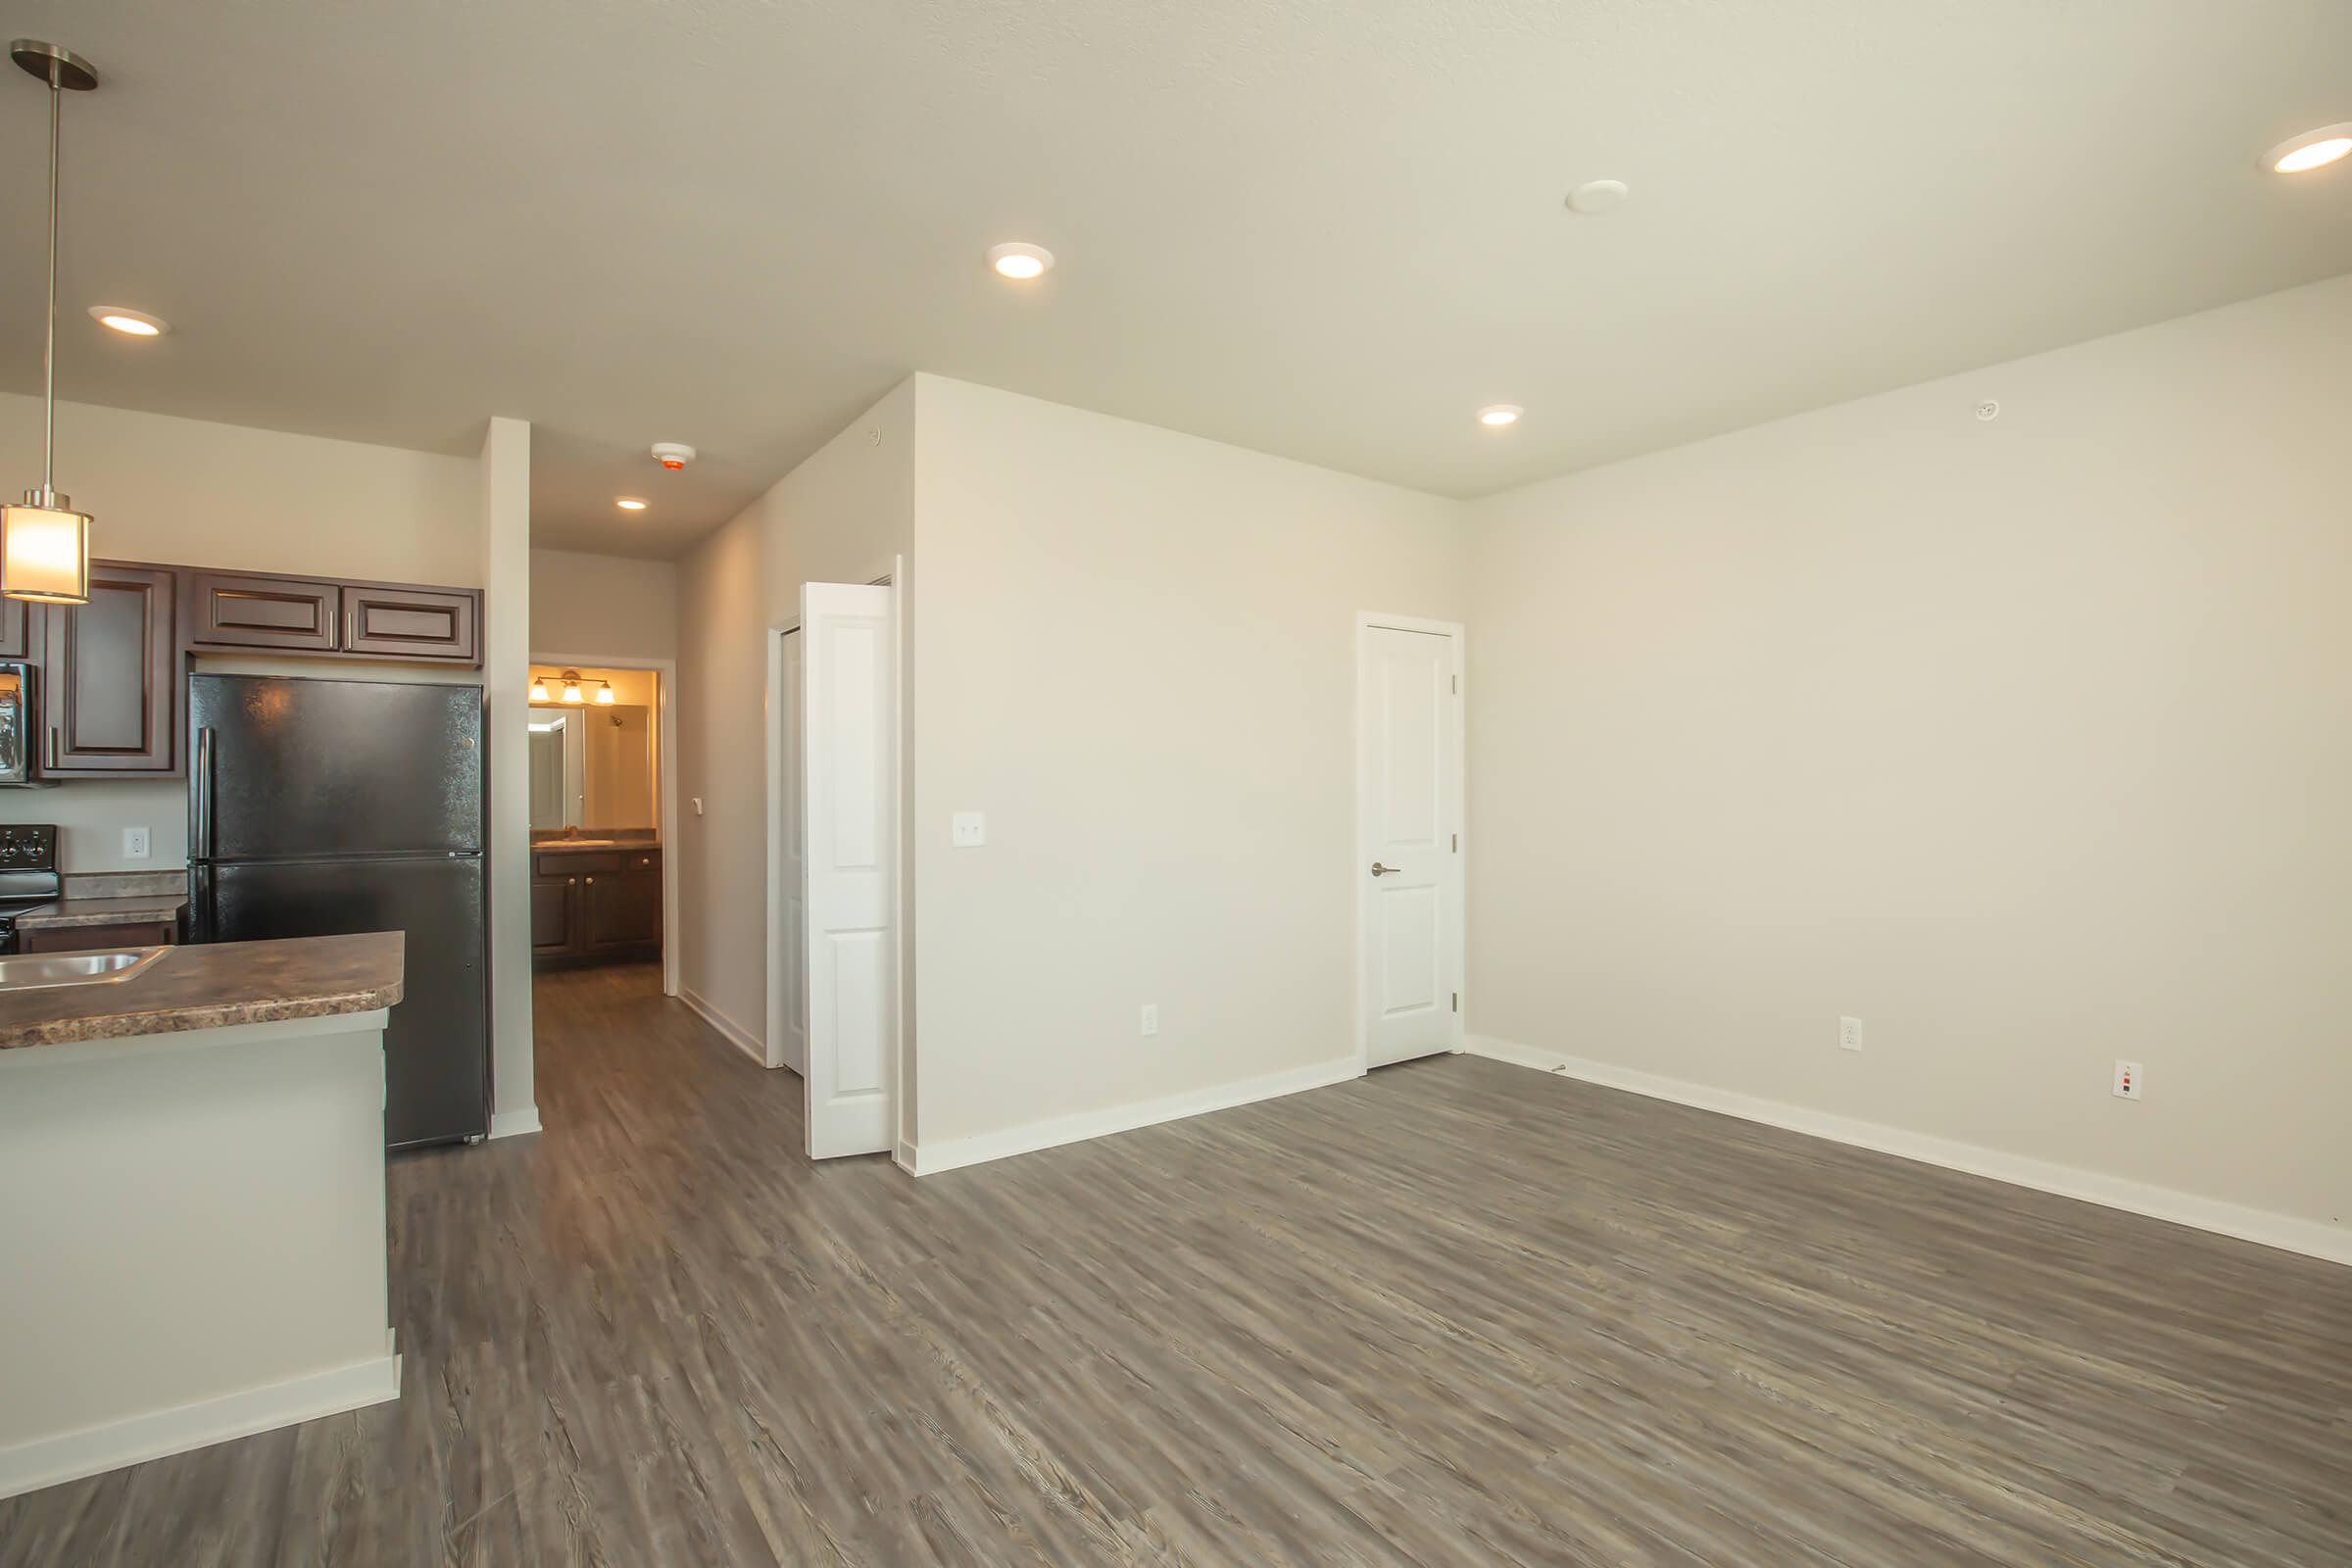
[27, 874]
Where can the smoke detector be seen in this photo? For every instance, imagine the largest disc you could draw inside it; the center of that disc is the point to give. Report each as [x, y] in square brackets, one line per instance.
[673, 454]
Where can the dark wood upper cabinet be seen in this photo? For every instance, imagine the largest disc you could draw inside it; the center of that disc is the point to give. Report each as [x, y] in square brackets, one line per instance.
[422, 623]
[112, 673]
[20, 629]
[292, 614]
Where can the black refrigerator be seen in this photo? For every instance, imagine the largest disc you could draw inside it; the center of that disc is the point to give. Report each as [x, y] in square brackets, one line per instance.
[322, 808]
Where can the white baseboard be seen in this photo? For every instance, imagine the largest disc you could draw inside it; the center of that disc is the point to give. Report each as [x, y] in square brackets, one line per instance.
[94, 1451]
[729, 1030]
[2282, 1231]
[930, 1159]
[513, 1123]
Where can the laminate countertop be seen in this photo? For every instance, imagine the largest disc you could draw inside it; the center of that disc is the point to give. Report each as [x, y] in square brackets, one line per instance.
[212, 987]
[67, 913]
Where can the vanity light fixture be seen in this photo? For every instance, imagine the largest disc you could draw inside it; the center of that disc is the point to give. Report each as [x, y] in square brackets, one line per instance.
[603, 694]
[44, 543]
[571, 687]
[129, 323]
[538, 689]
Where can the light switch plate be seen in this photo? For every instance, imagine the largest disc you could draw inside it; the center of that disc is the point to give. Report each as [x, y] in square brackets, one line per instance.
[970, 830]
[134, 844]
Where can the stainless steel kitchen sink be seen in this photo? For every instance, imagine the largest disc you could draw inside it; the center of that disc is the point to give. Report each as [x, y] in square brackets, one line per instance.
[38, 969]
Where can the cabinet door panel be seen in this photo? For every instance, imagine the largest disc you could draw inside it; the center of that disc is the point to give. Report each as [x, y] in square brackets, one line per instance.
[553, 903]
[20, 629]
[228, 611]
[112, 671]
[623, 910]
[411, 623]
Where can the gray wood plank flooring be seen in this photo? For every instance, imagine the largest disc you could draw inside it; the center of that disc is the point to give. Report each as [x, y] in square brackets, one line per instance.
[1455, 1312]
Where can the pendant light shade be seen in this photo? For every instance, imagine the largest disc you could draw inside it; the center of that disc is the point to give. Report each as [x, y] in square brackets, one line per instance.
[45, 550]
[538, 689]
[571, 687]
[44, 543]
[604, 693]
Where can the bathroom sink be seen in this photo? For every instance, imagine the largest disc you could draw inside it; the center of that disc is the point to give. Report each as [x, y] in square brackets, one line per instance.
[38, 970]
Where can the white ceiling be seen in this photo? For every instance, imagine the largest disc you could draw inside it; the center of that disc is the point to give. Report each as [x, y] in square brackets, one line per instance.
[1326, 228]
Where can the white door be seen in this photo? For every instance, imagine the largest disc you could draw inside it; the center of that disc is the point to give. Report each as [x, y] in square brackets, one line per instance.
[1408, 839]
[791, 934]
[850, 769]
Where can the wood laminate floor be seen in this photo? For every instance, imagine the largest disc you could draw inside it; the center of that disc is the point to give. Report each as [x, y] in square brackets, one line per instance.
[1455, 1312]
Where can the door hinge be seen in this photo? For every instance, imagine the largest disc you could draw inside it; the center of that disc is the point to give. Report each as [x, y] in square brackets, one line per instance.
[1457, 843]
[1457, 1002]
[1457, 685]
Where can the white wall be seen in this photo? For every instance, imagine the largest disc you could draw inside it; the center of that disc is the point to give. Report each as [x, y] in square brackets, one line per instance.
[1136, 654]
[186, 492]
[2025, 742]
[603, 605]
[841, 517]
[504, 505]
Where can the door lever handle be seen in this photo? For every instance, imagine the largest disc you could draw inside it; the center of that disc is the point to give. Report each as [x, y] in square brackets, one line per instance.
[1379, 869]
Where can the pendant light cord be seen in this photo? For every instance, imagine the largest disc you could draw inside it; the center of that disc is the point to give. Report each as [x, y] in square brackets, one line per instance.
[49, 350]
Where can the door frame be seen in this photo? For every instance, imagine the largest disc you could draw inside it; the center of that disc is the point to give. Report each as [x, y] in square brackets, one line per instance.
[1456, 738]
[666, 780]
[772, 815]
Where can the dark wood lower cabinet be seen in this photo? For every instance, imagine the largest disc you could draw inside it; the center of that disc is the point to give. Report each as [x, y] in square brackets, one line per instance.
[97, 938]
[595, 907]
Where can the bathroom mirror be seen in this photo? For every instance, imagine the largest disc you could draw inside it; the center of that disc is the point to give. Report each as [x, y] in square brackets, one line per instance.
[592, 768]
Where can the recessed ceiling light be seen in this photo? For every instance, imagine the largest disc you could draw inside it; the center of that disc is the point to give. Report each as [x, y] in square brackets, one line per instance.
[1498, 414]
[629, 504]
[2314, 149]
[129, 323]
[1020, 263]
[1600, 195]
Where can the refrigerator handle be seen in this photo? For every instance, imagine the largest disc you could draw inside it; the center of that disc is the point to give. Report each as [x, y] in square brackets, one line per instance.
[200, 797]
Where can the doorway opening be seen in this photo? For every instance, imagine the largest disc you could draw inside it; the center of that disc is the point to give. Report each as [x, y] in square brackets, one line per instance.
[604, 748]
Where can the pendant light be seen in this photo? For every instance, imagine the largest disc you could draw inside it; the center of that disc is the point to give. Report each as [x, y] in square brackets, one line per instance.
[44, 543]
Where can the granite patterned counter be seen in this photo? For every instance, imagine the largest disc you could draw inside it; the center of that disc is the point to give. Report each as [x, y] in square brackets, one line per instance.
[67, 913]
[211, 988]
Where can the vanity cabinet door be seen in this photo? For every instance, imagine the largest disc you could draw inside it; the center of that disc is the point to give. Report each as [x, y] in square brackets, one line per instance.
[112, 676]
[623, 910]
[555, 916]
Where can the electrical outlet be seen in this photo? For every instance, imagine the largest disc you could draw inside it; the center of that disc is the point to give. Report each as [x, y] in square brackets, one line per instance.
[1850, 1034]
[2129, 1081]
[1151, 1018]
[134, 844]
[969, 830]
